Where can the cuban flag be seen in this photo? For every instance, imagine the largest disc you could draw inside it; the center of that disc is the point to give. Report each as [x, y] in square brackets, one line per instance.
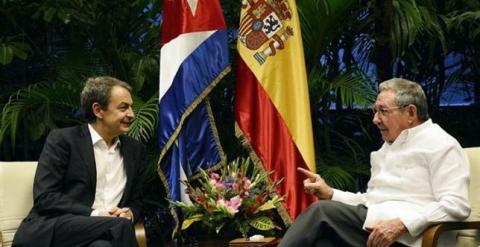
[193, 59]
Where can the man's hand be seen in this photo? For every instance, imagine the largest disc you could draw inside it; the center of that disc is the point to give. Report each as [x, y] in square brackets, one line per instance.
[315, 185]
[122, 212]
[385, 233]
[105, 214]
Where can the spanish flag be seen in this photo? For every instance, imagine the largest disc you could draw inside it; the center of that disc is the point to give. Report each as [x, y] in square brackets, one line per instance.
[272, 108]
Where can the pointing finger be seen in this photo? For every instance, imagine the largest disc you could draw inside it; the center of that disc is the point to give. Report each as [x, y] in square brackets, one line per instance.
[307, 173]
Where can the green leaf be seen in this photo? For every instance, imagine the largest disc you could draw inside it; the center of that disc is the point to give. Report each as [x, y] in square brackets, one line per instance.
[21, 45]
[262, 223]
[265, 206]
[138, 75]
[144, 125]
[336, 176]
[190, 220]
[64, 15]
[6, 54]
[219, 228]
[34, 104]
[48, 14]
[20, 50]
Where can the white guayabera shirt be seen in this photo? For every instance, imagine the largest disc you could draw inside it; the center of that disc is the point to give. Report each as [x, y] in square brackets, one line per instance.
[421, 178]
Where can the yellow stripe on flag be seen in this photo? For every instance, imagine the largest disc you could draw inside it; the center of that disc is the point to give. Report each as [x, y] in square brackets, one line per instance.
[271, 46]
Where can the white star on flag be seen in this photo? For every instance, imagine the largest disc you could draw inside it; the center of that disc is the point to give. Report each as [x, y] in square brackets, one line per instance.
[193, 6]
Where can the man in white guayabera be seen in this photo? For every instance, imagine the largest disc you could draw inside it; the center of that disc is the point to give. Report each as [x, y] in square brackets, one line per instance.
[419, 176]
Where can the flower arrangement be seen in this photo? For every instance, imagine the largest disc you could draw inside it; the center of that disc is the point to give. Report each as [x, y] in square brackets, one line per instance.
[241, 195]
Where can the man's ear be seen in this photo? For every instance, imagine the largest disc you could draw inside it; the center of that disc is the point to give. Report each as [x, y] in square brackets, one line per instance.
[97, 110]
[412, 113]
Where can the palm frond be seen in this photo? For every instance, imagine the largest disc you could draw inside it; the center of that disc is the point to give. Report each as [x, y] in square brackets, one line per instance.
[406, 25]
[39, 107]
[336, 176]
[354, 89]
[144, 125]
[143, 68]
[363, 51]
[320, 22]
[410, 21]
[462, 22]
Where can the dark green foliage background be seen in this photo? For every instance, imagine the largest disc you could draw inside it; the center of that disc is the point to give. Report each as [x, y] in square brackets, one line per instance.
[49, 47]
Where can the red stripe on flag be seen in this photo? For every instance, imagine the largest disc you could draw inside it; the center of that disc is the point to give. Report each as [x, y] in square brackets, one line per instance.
[268, 135]
[179, 18]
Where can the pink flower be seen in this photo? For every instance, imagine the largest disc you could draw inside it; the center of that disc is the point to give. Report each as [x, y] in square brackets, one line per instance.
[231, 205]
[216, 184]
[235, 187]
[246, 183]
[235, 202]
[215, 176]
[212, 182]
[221, 202]
[219, 186]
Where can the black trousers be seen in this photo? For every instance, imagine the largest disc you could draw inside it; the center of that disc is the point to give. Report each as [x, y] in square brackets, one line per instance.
[328, 223]
[74, 230]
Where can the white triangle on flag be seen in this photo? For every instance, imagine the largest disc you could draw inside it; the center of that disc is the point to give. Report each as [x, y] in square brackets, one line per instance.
[193, 6]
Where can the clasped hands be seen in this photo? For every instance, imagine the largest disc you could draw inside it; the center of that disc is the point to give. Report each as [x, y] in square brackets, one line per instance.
[118, 212]
[382, 233]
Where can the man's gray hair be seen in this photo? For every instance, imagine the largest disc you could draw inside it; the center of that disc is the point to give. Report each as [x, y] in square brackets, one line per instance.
[407, 93]
[98, 89]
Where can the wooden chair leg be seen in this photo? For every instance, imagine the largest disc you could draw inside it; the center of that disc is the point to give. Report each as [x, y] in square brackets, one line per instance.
[140, 235]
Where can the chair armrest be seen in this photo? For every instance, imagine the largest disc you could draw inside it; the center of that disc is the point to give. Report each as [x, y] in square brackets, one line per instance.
[430, 236]
[140, 235]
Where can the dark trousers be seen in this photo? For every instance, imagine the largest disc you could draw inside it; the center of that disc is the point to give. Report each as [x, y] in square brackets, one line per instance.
[328, 223]
[73, 230]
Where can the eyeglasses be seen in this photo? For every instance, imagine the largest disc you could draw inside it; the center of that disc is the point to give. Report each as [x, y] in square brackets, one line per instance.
[386, 111]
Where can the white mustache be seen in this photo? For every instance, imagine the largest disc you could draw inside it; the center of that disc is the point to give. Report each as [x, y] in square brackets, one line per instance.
[381, 127]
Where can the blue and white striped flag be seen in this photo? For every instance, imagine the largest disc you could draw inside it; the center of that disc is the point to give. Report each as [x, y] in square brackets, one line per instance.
[193, 59]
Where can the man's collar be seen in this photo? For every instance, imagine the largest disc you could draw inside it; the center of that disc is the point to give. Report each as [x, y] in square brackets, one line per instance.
[408, 133]
[97, 138]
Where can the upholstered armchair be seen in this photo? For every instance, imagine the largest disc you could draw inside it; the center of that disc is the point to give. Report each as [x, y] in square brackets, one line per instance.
[16, 200]
[468, 231]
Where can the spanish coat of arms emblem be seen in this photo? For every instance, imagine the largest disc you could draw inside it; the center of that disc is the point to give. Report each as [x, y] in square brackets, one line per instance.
[263, 22]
